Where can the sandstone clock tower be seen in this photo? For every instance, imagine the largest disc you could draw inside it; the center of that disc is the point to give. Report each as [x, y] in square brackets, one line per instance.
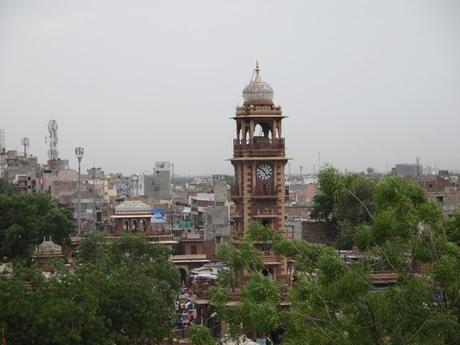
[258, 159]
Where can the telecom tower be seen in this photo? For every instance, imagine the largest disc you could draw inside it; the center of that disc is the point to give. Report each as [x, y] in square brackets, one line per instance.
[25, 142]
[52, 140]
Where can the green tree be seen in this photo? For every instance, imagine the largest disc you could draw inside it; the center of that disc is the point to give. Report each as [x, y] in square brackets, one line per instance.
[397, 227]
[6, 188]
[201, 336]
[25, 220]
[338, 305]
[124, 294]
[136, 285]
[343, 202]
[258, 312]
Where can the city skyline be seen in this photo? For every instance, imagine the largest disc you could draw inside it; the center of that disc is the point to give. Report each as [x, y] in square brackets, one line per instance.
[155, 82]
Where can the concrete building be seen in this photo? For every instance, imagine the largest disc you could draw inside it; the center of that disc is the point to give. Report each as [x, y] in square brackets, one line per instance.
[302, 193]
[198, 206]
[144, 185]
[444, 190]
[61, 183]
[20, 170]
[411, 170]
[157, 185]
[162, 181]
[220, 192]
[294, 229]
[217, 224]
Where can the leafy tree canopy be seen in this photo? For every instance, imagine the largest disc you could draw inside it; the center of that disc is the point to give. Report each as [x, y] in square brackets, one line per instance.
[343, 202]
[398, 229]
[25, 220]
[123, 294]
[402, 228]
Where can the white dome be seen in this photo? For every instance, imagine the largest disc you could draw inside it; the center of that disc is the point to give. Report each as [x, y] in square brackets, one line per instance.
[257, 90]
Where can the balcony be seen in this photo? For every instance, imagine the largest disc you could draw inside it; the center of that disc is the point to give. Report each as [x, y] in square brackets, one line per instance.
[270, 259]
[191, 236]
[259, 147]
[264, 212]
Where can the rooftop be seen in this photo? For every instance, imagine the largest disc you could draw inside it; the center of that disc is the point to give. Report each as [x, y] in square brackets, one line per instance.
[132, 206]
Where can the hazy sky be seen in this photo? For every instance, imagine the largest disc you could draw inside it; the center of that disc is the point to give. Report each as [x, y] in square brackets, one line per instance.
[366, 83]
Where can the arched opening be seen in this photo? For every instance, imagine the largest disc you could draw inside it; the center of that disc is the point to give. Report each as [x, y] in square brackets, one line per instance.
[134, 225]
[267, 271]
[263, 130]
[183, 276]
[258, 131]
[142, 225]
[248, 137]
[125, 225]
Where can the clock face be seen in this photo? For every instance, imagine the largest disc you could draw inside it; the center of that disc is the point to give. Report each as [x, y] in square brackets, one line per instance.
[264, 171]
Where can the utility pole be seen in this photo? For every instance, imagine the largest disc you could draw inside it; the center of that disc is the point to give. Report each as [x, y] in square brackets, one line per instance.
[319, 161]
[79, 153]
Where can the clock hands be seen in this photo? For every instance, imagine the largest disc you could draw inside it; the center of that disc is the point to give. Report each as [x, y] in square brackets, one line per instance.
[264, 171]
[267, 171]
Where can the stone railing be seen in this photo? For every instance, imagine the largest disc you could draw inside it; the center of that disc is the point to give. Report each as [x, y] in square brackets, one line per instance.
[263, 146]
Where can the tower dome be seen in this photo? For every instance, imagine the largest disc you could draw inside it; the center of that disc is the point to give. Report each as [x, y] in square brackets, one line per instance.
[258, 91]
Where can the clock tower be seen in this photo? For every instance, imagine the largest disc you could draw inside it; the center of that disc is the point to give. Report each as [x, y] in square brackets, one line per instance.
[258, 159]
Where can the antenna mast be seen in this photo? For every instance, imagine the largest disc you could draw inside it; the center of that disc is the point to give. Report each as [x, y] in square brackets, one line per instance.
[25, 142]
[52, 140]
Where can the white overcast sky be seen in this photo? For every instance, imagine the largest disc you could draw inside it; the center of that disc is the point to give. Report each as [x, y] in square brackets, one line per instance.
[366, 83]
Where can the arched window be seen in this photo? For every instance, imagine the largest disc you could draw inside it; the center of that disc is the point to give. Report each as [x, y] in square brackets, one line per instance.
[258, 131]
[263, 130]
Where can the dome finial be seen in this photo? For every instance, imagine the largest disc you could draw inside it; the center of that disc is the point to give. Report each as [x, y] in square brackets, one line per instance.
[257, 91]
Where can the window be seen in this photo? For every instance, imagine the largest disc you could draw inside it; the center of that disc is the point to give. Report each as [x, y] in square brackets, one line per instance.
[193, 249]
